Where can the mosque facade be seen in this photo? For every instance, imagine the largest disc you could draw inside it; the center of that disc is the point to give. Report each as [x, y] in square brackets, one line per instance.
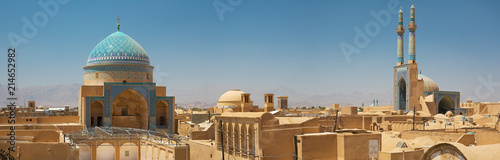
[414, 91]
[119, 91]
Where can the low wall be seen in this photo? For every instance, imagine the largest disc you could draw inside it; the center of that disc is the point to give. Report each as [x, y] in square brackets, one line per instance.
[401, 155]
[39, 151]
[42, 120]
[435, 136]
[39, 135]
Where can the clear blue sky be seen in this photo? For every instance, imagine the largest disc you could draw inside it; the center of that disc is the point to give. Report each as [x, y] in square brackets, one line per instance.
[261, 44]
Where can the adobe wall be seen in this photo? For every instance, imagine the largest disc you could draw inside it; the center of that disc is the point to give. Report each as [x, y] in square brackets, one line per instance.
[39, 151]
[401, 155]
[161, 91]
[42, 120]
[485, 138]
[202, 151]
[317, 146]
[378, 108]
[435, 136]
[355, 146]
[405, 125]
[493, 109]
[39, 135]
[57, 119]
[349, 110]
[200, 135]
[279, 142]
[181, 153]
[351, 122]
[91, 91]
[467, 139]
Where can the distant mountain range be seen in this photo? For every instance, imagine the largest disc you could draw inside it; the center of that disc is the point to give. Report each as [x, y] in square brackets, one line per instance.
[204, 97]
[47, 96]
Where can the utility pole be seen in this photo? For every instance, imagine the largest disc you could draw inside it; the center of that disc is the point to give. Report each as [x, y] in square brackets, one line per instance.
[414, 112]
[336, 119]
[221, 139]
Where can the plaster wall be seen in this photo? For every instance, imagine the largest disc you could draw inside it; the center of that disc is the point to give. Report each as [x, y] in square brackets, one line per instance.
[410, 155]
[208, 152]
[39, 151]
[349, 110]
[38, 135]
[355, 146]
[279, 142]
[317, 146]
[485, 138]
[435, 136]
[378, 108]
[161, 91]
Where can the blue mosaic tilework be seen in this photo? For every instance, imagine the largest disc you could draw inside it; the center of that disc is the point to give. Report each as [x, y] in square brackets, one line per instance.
[107, 104]
[401, 72]
[454, 96]
[170, 101]
[128, 68]
[152, 123]
[118, 48]
[152, 103]
[117, 90]
[108, 122]
[88, 112]
[117, 75]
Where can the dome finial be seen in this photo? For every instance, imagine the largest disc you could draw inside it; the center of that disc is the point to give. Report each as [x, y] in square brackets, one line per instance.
[118, 19]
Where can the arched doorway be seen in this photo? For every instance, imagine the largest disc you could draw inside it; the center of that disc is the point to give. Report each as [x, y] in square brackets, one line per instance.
[446, 104]
[96, 114]
[128, 151]
[402, 94]
[130, 109]
[106, 151]
[162, 114]
[85, 152]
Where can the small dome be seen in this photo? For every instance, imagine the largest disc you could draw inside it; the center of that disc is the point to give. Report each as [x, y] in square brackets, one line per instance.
[118, 48]
[231, 96]
[429, 85]
[449, 114]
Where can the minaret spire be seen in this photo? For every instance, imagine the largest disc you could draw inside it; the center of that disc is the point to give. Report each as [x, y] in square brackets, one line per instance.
[118, 19]
[412, 27]
[400, 30]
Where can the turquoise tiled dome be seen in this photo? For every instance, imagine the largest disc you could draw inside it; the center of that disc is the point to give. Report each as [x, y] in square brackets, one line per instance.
[118, 48]
[429, 85]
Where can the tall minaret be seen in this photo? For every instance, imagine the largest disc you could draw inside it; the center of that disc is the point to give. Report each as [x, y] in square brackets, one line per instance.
[400, 31]
[412, 27]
